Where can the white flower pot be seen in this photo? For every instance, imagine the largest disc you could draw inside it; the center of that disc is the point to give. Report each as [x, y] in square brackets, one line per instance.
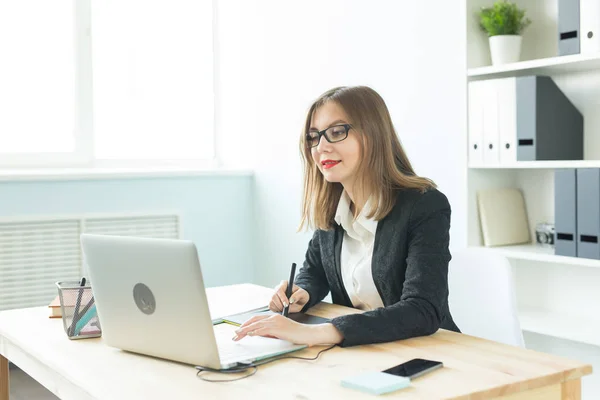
[505, 49]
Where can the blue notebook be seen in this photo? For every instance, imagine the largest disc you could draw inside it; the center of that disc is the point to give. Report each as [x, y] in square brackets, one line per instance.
[376, 382]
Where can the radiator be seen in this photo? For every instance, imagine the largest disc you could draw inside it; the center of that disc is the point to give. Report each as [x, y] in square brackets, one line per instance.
[35, 252]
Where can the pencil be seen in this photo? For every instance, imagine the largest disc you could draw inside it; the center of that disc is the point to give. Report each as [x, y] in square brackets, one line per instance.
[77, 305]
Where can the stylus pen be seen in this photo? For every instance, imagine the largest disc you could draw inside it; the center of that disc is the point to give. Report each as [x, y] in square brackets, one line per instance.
[288, 292]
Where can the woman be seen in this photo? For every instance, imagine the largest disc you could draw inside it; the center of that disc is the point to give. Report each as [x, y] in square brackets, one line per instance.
[381, 232]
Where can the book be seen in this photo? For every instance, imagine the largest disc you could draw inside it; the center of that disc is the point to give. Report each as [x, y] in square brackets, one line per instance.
[54, 307]
[55, 310]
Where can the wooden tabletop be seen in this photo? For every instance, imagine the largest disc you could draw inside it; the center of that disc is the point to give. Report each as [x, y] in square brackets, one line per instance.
[88, 369]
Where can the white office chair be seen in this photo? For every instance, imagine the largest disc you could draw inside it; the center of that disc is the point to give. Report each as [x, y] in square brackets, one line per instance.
[482, 296]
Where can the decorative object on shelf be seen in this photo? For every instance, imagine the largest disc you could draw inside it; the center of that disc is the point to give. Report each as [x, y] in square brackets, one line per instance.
[568, 27]
[504, 24]
[502, 216]
[544, 234]
[526, 118]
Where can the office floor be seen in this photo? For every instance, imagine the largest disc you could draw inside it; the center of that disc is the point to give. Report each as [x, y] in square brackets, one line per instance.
[23, 387]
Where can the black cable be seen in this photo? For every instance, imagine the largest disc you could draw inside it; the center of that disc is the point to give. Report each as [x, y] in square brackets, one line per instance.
[303, 358]
[203, 369]
[242, 368]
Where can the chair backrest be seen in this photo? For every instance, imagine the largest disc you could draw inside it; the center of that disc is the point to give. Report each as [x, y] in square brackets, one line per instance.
[482, 296]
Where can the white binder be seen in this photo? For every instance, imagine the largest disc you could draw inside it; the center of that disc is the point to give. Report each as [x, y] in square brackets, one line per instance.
[476, 102]
[589, 17]
[491, 155]
[507, 119]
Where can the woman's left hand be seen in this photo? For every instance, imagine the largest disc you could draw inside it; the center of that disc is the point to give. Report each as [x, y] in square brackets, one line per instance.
[276, 326]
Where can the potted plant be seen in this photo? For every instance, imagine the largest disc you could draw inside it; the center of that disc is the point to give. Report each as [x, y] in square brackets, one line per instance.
[504, 23]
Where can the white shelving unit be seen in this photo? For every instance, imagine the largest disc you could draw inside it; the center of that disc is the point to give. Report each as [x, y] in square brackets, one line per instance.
[540, 165]
[561, 326]
[533, 252]
[545, 66]
[547, 284]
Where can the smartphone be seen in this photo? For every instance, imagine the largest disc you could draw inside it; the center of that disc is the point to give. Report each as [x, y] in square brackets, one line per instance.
[414, 368]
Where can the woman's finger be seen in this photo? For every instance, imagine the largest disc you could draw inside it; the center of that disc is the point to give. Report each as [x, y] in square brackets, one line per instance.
[260, 331]
[298, 300]
[277, 302]
[299, 296]
[242, 331]
[281, 294]
[275, 306]
[252, 320]
[294, 308]
[283, 298]
[295, 288]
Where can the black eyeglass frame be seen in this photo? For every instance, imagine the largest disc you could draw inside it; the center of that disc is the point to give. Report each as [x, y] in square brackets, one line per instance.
[322, 133]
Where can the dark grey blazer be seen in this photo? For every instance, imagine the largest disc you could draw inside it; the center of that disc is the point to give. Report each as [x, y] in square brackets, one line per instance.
[410, 271]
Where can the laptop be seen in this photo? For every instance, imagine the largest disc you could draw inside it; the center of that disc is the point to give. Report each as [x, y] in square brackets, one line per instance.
[151, 300]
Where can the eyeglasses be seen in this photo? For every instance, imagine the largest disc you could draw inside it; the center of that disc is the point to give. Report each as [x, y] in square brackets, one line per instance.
[333, 134]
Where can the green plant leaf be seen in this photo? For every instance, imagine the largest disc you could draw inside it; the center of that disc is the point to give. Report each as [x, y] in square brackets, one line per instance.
[503, 18]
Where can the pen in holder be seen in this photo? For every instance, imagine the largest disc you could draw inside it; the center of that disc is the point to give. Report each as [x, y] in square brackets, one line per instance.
[80, 319]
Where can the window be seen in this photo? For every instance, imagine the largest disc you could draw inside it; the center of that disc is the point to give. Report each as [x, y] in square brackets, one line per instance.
[106, 83]
[37, 80]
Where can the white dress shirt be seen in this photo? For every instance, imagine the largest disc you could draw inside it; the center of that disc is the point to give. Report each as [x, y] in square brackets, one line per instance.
[357, 253]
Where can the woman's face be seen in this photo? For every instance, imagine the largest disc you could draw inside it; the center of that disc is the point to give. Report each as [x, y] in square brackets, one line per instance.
[338, 162]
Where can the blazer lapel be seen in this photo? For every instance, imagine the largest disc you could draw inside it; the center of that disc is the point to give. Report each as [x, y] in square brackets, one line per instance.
[337, 249]
[378, 262]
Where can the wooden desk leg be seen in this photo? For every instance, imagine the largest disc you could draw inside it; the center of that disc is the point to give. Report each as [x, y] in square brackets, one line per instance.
[571, 390]
[4, 387]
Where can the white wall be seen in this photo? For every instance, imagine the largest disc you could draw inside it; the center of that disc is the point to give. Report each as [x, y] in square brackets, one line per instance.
[273, 58]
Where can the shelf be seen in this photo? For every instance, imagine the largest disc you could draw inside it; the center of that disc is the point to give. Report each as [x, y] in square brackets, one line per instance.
[539, 164]
[562, 326]
[534, 252]
[544, 66]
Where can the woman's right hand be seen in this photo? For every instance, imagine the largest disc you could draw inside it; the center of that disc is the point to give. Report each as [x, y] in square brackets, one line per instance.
[297, 300]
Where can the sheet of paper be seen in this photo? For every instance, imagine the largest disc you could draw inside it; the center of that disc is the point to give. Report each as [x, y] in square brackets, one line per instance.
[239, 299]
[249, 346]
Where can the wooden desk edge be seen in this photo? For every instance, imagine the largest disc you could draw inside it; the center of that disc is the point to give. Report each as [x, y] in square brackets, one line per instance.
[4, 378]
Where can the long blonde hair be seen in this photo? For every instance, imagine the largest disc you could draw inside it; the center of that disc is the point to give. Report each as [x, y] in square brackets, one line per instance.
[383, 168]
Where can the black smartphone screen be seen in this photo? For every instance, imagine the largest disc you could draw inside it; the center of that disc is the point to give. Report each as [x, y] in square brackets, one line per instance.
[414, 368]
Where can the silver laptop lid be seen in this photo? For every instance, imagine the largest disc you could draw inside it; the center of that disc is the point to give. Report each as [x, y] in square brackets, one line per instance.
[150, 297]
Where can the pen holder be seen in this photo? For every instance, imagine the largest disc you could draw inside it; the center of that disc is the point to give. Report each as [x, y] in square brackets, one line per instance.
[79, 316]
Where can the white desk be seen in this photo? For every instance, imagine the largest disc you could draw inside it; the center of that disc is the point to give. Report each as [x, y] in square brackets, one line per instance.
[88, 369]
